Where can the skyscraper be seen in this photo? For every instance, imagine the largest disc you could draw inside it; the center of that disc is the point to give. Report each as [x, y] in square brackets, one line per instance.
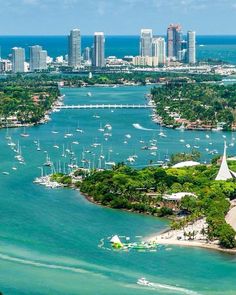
[74, 58]
[146, 42]
[99, 50]
[191, 47]
[87, 54]
[174, 40]
[18, 60]
[38, 58]
[159, 50]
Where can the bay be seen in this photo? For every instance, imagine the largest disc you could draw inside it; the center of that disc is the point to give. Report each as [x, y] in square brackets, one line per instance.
[49, 238]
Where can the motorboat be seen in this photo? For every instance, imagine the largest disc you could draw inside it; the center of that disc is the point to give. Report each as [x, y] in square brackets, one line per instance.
[143, 282]
[162, 134]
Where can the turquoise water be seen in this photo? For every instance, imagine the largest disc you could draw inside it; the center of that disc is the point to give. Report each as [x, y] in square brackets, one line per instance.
[49, 238]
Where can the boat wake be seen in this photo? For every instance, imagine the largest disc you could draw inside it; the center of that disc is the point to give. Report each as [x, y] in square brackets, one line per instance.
[41, 264]
[138, 126]
[175, 289]
[170, 288]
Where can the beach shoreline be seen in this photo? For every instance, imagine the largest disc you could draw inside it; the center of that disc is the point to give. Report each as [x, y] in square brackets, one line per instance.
[179, 238]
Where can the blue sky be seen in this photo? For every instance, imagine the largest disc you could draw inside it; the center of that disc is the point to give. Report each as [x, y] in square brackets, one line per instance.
[117, 17]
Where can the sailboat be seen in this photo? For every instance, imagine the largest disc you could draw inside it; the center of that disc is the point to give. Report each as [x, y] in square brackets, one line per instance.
[8, 137]
[109, 162]
[79, 129]
[48, 162]
[24, 134]
[162, 134]
[101, 129]
[38, 146]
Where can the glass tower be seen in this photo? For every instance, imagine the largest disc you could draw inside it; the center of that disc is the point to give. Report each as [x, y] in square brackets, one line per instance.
[74, 58]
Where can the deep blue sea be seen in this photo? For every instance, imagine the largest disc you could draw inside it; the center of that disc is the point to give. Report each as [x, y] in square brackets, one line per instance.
[216, 47]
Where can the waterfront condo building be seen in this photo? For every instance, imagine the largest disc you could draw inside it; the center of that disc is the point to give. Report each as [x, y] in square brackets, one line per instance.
[87, 55]
[18, 60]
[99, 50]
[38, 58]
[146, 42]
[159, 50]
[74, 57]
[174, 41]
[191, 47]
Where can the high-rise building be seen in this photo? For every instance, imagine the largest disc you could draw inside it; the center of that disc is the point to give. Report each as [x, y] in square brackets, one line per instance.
[74, 58]
[174, 40]
[191, 47]
[38, 58]
[87, 54]
[146, 42]
[99, 50]
[159, 50]
[43, 60]
[18, 60]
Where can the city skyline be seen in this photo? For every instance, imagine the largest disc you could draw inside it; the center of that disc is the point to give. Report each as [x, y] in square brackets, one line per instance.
[106, 16]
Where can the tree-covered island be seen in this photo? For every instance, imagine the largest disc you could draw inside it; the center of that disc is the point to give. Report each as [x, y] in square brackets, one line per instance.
[149, 191]
[25, 101]
[195, 106]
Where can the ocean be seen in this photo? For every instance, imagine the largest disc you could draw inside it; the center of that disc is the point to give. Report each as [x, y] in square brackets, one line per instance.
[215, 47]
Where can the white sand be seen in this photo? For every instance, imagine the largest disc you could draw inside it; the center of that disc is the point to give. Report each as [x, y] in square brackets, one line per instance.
[177, 237]
[231, 218]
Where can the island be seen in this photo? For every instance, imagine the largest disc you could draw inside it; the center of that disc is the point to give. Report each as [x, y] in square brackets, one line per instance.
[195, 106]
[196, 201]
[26, 100]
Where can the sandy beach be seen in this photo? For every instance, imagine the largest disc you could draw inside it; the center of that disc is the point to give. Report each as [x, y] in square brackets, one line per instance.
[231, 216]
[185, 237]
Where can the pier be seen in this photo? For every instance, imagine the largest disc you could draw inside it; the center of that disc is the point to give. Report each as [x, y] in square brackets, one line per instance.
[105, 106]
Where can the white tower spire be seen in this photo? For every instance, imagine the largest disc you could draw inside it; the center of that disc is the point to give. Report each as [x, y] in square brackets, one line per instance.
[224, 172]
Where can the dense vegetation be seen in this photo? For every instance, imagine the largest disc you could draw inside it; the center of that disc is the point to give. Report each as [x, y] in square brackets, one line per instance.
[26, 98]
[182, 157]
[136, 78]
[142, 191]
[206, 104]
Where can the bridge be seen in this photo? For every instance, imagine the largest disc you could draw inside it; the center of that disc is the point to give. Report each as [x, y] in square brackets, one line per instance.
[105, 106]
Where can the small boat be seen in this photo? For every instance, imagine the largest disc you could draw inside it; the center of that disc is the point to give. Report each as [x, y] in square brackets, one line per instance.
[38, 146]
[188, 146]
[48, 162]
[162, 134]
[5, 173]
[131, 159]
[108, 127]
[89, 94]
[101, 129]
[24, 134]
[12, 144]
[78, 129]
[143, 282]
[153, 148]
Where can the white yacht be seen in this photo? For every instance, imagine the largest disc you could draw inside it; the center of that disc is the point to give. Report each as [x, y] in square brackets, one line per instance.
[144, 282]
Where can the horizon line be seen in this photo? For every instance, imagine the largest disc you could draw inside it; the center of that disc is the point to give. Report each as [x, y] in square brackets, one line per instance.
[110, 35]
